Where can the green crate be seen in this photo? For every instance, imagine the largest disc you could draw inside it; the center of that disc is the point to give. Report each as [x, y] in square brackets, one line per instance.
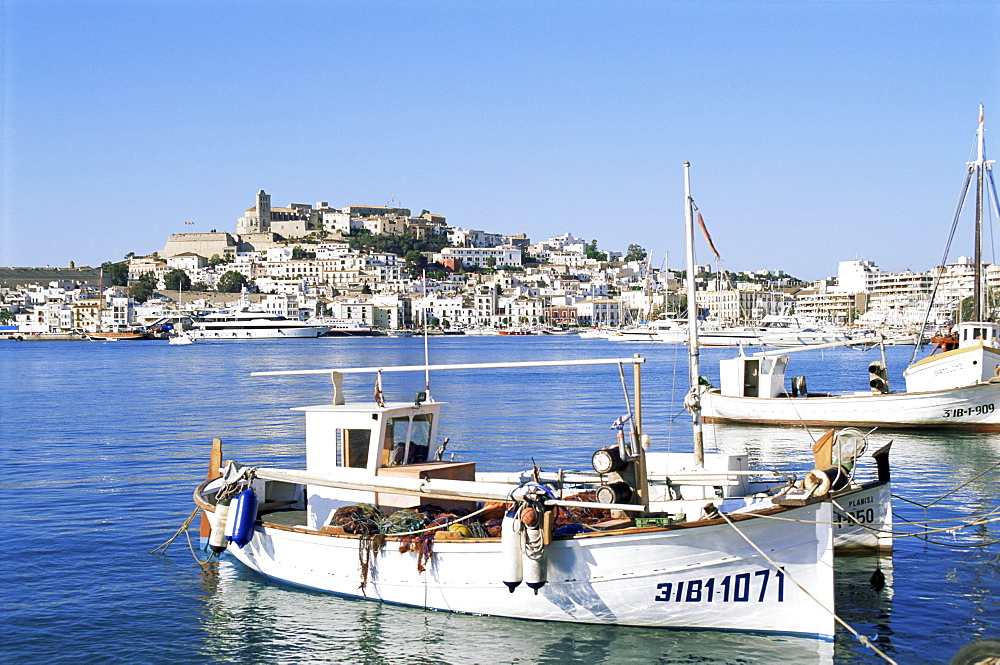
[659, 521]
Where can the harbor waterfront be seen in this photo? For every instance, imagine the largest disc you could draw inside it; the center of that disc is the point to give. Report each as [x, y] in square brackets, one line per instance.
[103, 443]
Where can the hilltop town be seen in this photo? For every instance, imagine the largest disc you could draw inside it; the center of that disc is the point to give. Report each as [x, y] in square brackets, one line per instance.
[387, 268]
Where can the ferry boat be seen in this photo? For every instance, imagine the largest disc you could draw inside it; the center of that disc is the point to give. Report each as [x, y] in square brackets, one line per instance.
[248, 324]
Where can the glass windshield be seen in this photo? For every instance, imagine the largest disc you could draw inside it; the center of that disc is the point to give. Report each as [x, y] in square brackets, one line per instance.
[407, 440]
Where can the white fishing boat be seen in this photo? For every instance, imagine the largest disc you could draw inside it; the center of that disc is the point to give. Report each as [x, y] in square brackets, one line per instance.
[245, 324]
[627, 544]
[752, 390]
[180, 338]
[976, 360]
[956, 389]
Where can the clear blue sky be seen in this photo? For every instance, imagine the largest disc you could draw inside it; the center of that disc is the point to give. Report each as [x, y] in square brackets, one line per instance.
[818, 131]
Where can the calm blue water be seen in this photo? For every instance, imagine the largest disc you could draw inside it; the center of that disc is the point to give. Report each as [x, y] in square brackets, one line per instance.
[102, 444]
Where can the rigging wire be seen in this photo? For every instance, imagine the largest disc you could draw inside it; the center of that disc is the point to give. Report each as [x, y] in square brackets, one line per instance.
[944, 261]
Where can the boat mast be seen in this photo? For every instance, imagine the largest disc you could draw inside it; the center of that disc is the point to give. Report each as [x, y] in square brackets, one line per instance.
[980, 166]
[694, 368]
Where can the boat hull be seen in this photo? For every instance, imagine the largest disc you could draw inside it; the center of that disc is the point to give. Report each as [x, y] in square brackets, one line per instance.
[117, 337]
[862, 517]
[974, 408]
[705, 577]
[951, 369]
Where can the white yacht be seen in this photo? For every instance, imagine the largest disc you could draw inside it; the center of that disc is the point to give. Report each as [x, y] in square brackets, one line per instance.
[249, 324]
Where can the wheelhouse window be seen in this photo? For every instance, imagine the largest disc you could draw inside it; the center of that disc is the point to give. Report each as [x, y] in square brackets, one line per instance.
[407, 440]
[356, 443]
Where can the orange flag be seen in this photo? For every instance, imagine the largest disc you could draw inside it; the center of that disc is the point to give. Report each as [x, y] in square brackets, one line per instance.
[701, 223]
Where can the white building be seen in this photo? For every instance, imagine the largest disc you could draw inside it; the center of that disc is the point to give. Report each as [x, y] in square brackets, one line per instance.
[502, 256]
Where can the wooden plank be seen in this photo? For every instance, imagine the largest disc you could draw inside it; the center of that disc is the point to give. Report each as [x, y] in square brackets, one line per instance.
[214, 466]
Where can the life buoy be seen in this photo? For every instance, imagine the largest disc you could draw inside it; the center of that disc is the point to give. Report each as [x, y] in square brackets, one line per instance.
[817, 482]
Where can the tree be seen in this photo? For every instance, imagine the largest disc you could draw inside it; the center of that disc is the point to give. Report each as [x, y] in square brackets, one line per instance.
[232, 282]
[415, 262]
[299, 253]
[635, 253]
[143, 288]
[387, 243]
[491, 262]
[199, 286]
[177, 280]
[6, 316]
[366, 289]
[116, 272]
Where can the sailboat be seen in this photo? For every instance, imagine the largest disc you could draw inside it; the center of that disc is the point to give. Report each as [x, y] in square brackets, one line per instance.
[180, 337]
[957, 389]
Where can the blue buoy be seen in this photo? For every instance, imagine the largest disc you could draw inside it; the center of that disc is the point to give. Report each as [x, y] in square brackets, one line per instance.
[242, 515]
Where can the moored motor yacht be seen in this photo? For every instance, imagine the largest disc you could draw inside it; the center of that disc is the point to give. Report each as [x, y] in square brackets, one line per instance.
[249, 324]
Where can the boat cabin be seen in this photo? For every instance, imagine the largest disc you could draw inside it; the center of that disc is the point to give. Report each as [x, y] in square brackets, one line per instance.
[972, 333]
[753, 376]
[364, 440]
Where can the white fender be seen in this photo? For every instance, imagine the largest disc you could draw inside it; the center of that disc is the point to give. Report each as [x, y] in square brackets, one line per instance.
[817, 482]
[510, 549]
[535, 561]
[217, 541]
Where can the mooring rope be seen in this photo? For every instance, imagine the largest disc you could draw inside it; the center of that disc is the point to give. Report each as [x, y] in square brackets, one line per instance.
[947, 494]
[974, 520]
[162, 549]
[861, 638]
[185, 529]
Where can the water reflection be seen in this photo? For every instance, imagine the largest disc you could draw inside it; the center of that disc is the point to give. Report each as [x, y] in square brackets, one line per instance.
[249, 619]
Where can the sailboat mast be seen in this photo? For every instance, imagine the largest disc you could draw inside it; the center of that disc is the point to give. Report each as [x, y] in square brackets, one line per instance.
[694, 368]
[979, 166]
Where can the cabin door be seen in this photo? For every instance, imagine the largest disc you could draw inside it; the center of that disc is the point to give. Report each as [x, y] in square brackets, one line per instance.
[751, 378]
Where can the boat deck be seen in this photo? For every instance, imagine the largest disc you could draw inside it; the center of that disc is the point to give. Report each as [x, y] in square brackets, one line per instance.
[286, 517]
